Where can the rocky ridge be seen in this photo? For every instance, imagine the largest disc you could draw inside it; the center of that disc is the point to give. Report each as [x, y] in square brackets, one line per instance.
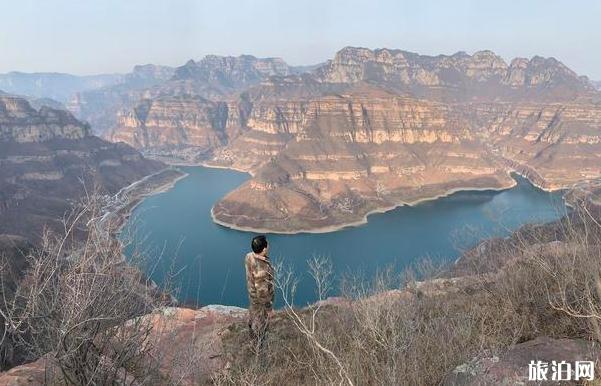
[372, 129]
[456, 77]
[213, 77]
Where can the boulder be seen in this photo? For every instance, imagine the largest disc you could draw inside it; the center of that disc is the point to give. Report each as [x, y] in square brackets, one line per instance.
[512, 368]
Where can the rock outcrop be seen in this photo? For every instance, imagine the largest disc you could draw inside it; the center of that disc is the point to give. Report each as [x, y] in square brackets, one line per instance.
[512, 367]
[183, 345]
[22, 123]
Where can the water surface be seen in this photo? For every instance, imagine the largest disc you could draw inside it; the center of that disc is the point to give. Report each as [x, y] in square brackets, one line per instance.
[205, 260]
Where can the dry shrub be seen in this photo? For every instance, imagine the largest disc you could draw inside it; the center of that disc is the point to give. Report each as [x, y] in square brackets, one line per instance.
[79, 302]
[546, 281]
[73, 303]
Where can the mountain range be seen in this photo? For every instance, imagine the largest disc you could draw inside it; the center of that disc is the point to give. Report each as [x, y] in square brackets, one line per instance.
[57, 86]
[362, 132]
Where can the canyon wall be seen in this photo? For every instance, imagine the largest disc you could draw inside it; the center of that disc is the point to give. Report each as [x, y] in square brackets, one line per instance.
[372, 129]
[49, 160]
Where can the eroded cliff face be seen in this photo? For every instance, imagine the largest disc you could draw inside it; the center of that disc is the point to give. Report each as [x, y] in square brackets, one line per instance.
[232, 72]
[556, 145]
[47, 161]
[350, 154]
[171, 121]
[373, 129]
[198, 109]
[353, 154]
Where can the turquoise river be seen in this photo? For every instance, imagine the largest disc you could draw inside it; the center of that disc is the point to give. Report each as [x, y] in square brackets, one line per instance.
[203, 261]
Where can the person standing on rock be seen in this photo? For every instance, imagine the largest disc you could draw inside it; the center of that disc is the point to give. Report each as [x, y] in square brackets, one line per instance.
[260, 284]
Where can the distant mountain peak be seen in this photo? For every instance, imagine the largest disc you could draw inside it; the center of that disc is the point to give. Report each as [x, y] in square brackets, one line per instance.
[231, 71]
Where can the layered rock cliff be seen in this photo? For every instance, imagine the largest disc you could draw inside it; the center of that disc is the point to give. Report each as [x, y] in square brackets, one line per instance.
[231, 72]
[173, 121]
[22, 123]
[213, 77]
[48, 160]
[372, 129]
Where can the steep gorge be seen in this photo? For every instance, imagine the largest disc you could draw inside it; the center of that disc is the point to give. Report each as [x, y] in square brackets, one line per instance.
[370, 130]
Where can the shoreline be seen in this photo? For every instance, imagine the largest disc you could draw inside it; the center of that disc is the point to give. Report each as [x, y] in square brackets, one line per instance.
[319, 230]
[123, 211]
[364, 220]
[176, 163]
[203, 164]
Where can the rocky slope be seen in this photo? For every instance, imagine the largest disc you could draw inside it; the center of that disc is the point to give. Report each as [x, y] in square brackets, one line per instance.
[229, 72]
[372, 129]
[47, 161]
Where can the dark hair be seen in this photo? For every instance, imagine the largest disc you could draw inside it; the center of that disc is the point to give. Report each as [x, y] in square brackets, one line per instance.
[258, 244]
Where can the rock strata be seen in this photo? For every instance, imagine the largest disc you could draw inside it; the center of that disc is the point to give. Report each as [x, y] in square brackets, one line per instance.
[47, 161]
[370, 130]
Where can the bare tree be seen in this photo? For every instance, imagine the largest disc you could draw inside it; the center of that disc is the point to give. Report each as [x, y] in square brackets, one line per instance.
[78, 302]
[320, 270]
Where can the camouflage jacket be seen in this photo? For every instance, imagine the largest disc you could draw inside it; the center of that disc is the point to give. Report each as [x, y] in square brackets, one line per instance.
[259, 280]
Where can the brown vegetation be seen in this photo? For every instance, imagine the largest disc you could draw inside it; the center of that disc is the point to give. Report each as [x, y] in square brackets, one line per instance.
[417, 335]
[78, 306]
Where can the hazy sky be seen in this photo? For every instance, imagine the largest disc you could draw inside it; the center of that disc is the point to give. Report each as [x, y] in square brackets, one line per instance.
[99, 36]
